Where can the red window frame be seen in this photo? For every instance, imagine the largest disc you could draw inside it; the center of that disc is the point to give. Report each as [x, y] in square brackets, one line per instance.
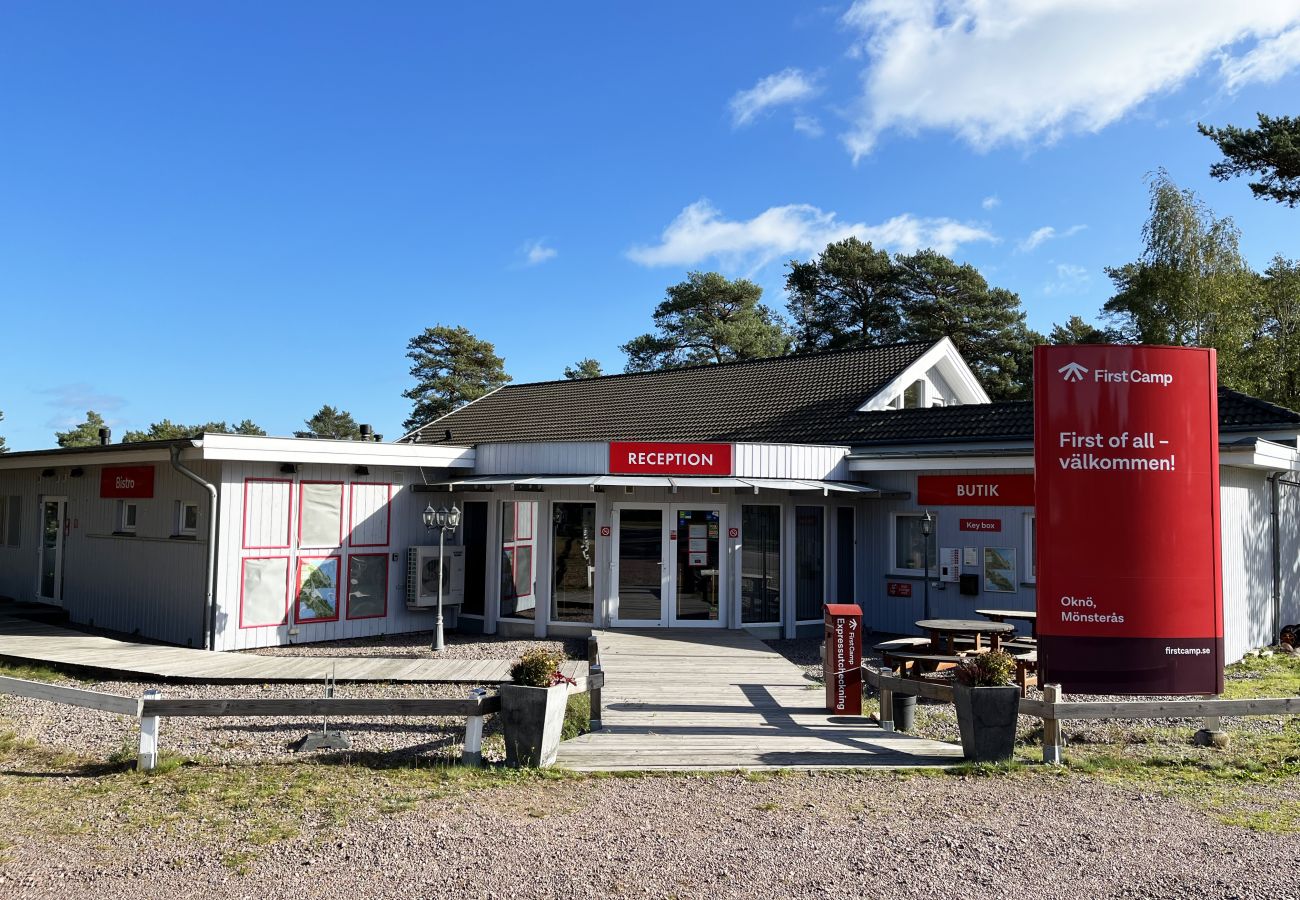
[348, 611]
[352, 514]
[288, 515]
[284, 618]
[297, 582]
[303, 484]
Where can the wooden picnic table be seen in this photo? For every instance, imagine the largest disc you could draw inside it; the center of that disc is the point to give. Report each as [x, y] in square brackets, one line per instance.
[999, 615]
[942, 631]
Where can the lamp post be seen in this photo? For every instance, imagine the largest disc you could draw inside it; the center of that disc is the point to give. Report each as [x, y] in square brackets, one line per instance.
[444, 520]
[927, 528]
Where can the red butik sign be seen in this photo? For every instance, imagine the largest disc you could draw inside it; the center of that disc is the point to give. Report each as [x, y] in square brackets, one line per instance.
[651, 458]
[975, 490]
[1126, 452]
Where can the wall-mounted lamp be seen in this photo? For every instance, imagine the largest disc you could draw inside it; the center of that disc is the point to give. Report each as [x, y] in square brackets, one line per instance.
[47, 473]
[288, 468]
[361, 470]
[927, 528]
[77, 472]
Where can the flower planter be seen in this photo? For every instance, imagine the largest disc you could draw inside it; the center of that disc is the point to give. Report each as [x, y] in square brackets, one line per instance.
[532, 719]
[987, 718]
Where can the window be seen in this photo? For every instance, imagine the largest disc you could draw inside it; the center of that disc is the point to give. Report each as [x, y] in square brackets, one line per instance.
[910, 544]
[367, 585]
[318, 589]
[1031, 547]
[518, 570]
[760, 564]
[914, 395]
[809, 562]
[263, 592]
[128, 513]
[320, 514]
[11, 521]
[474, 538]
[573, 561]
[187, 518]
[266, 513]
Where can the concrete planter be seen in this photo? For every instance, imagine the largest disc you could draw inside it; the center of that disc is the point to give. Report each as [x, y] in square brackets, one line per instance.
[987, 719]
[532, 719]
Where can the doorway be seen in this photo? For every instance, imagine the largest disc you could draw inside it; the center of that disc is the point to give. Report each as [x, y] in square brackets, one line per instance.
[668, 566]
[49, 580]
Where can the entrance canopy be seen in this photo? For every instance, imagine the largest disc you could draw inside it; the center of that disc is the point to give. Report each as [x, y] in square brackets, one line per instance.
[674, 483]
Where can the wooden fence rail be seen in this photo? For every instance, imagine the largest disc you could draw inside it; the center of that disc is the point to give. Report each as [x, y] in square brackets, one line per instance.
[1053, 710]
[152, 707]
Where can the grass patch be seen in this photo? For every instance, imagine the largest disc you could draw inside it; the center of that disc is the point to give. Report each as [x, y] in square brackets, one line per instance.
[577, 716]
[33, 672]
[1272, 676]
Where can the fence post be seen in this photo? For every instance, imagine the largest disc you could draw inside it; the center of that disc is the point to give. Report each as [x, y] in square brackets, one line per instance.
[472, 753]
[148, 756]
[1051, 725]
[886, 715]
[594, 668]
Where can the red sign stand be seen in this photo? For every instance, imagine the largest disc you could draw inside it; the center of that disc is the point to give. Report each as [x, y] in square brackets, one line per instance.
[842, 659]
[1126, 458]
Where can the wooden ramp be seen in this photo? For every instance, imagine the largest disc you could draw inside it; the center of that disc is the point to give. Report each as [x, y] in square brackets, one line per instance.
[698, 699]
[23, 640]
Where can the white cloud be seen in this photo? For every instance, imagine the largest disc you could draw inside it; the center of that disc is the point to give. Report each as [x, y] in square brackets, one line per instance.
[1268, 62]
[809, 125]
[1070, 279]
[991, 202]
[1029, 71]
[1040, 236]
[785, 87]
[536, 252]
[700, 232]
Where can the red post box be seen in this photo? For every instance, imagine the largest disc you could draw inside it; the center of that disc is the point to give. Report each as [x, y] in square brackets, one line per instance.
[842, 659]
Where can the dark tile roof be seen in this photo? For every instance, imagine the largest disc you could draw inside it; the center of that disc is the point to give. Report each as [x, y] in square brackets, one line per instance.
[808, 399]
[1014, 421]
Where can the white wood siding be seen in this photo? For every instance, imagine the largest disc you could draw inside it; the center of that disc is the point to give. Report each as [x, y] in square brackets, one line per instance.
[542, 459]
[1245, 510]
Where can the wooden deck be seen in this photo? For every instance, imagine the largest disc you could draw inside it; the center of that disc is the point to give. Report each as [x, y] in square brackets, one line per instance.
[688, 700]
[26, 641]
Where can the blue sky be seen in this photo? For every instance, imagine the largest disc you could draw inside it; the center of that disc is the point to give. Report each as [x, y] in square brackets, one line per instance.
[230, 210]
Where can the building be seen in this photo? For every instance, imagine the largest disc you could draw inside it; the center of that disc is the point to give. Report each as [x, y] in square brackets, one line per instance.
[742, 495]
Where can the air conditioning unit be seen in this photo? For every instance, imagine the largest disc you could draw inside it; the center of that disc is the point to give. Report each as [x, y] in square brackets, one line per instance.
[422, 577]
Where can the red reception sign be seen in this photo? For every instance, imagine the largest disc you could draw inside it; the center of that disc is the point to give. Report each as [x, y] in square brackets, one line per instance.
[842, 659]
[646, 458]
[975, 490]
[1126, 451]
[983, 526]
[126, 481]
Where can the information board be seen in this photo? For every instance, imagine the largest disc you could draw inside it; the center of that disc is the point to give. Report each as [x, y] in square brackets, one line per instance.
[1126, 453]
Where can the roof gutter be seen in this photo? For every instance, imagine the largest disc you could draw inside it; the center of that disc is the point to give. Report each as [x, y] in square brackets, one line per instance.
[209, 605]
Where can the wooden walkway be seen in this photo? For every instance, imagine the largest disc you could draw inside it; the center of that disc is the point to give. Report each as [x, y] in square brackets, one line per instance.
[689, 700]
[26, 641]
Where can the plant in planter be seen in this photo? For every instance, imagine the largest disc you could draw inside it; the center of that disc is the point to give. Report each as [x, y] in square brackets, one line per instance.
[532, 709]
[987, 706]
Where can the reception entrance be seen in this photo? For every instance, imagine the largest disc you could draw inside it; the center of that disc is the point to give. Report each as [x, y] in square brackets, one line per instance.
[668, 568]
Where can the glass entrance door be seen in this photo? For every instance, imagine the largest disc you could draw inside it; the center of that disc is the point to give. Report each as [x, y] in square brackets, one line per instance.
[49, 588]
[640, 578]
[697, 567]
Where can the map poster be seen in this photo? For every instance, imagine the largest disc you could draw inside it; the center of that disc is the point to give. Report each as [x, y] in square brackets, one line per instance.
[1000, 569]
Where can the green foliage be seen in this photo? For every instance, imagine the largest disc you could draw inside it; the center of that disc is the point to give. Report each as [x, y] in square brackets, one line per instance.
[1273, 356]
[536, 668]
[583, 368]
[1190, 287]
[1272, 150]
[708, 319]
[329, 422]
[848, 297]
[3, 448]
[167, 430]
[854, 295]
[1077, 331]
[993, 669]
[577, 716]
[84, 435]
[451, 367]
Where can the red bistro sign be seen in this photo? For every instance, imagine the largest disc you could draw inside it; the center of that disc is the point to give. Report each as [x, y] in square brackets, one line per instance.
[126, 481]
[898, 588]
[982, 526]
[975, 490]
[646, 458]
[1130, 588]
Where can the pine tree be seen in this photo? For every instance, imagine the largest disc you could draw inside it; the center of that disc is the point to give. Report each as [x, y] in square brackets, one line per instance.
[451, 367]
[84, 435]
[329, 422]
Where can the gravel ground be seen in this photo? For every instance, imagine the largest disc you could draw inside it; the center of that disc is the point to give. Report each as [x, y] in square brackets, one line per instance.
[800, 836]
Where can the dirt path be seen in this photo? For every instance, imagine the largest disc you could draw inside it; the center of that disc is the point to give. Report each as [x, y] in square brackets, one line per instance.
[807, 835]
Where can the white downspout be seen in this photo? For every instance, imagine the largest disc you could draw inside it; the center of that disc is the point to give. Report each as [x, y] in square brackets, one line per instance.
[209, 604]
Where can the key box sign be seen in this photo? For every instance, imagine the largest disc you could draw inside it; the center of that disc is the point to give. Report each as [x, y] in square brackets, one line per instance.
[1126, 454]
